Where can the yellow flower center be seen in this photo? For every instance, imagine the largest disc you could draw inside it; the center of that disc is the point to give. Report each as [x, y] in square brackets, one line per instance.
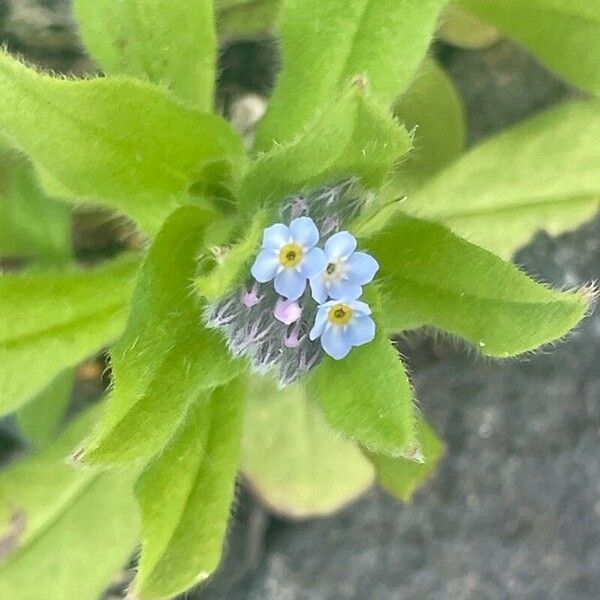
[340, 314]
[290, 255]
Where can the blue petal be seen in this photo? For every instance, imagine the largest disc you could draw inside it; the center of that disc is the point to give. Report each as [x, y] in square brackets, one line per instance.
[344, 290]
[265, 266]
[318, 289]
[320, 322]
[334, 342]
[290, 284]
[361, 331]
[362, 309]
[313, 263]
[361, 268]
[304, 231]
[340, 245]
[276, 235]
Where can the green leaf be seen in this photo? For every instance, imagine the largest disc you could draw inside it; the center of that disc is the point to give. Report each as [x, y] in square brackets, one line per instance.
[31, 224]
[291, 457]
[184, 525]
[247, 18]
[354, 136]
[327, 44]
[432, 106]
[53, 320]
[115, 141]
[432, 109]
[226, 273]
[42, 486]
[40, 419]
[402, 477]
[172, 44]
[50, 514]
[166, 356]
[433, 277]
[367, 396]
[541, 174]
[565, 36]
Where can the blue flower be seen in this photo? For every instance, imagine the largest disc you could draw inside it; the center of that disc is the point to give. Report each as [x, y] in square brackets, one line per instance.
[342, 324]
[346, 271]
[289, 256]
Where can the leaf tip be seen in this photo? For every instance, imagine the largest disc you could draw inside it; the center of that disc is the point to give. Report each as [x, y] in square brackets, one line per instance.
[360, 82]
[414, 453]
[77, 458]
[589, 293]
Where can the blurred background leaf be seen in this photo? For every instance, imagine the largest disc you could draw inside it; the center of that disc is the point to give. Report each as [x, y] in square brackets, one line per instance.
[433, 109]
[541, 174]
[64, 532]
[292, 459]
[172, 44]
[564, 35]
[31, 223]
[246, 18]
[40, 419]
[52, 320]
[402, 477]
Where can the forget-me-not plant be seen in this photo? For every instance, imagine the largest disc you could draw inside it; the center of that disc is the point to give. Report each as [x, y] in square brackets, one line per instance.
[275, 319]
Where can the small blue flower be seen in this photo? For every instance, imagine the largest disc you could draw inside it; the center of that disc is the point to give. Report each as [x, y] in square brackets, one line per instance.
[289, 256]
[346, 271]
[342, 324]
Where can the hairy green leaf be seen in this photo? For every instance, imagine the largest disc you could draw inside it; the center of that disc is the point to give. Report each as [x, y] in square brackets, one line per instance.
[292, 458]
[116, 141]
[402, 477]
[354, 136]
[172, 44]
[433, 277]
[564, 35]
[541, 174]
[221, 279]
[367, 396]
[166, 356]
[327, 44]
[185, 496]
[40, 419]
[31, 224]
[53, 320]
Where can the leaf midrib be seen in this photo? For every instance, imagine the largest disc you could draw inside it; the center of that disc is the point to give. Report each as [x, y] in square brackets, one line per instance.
[49, 523]
[415, 282]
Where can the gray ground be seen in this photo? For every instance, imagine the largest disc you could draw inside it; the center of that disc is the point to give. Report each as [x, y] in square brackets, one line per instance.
[514, 511]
